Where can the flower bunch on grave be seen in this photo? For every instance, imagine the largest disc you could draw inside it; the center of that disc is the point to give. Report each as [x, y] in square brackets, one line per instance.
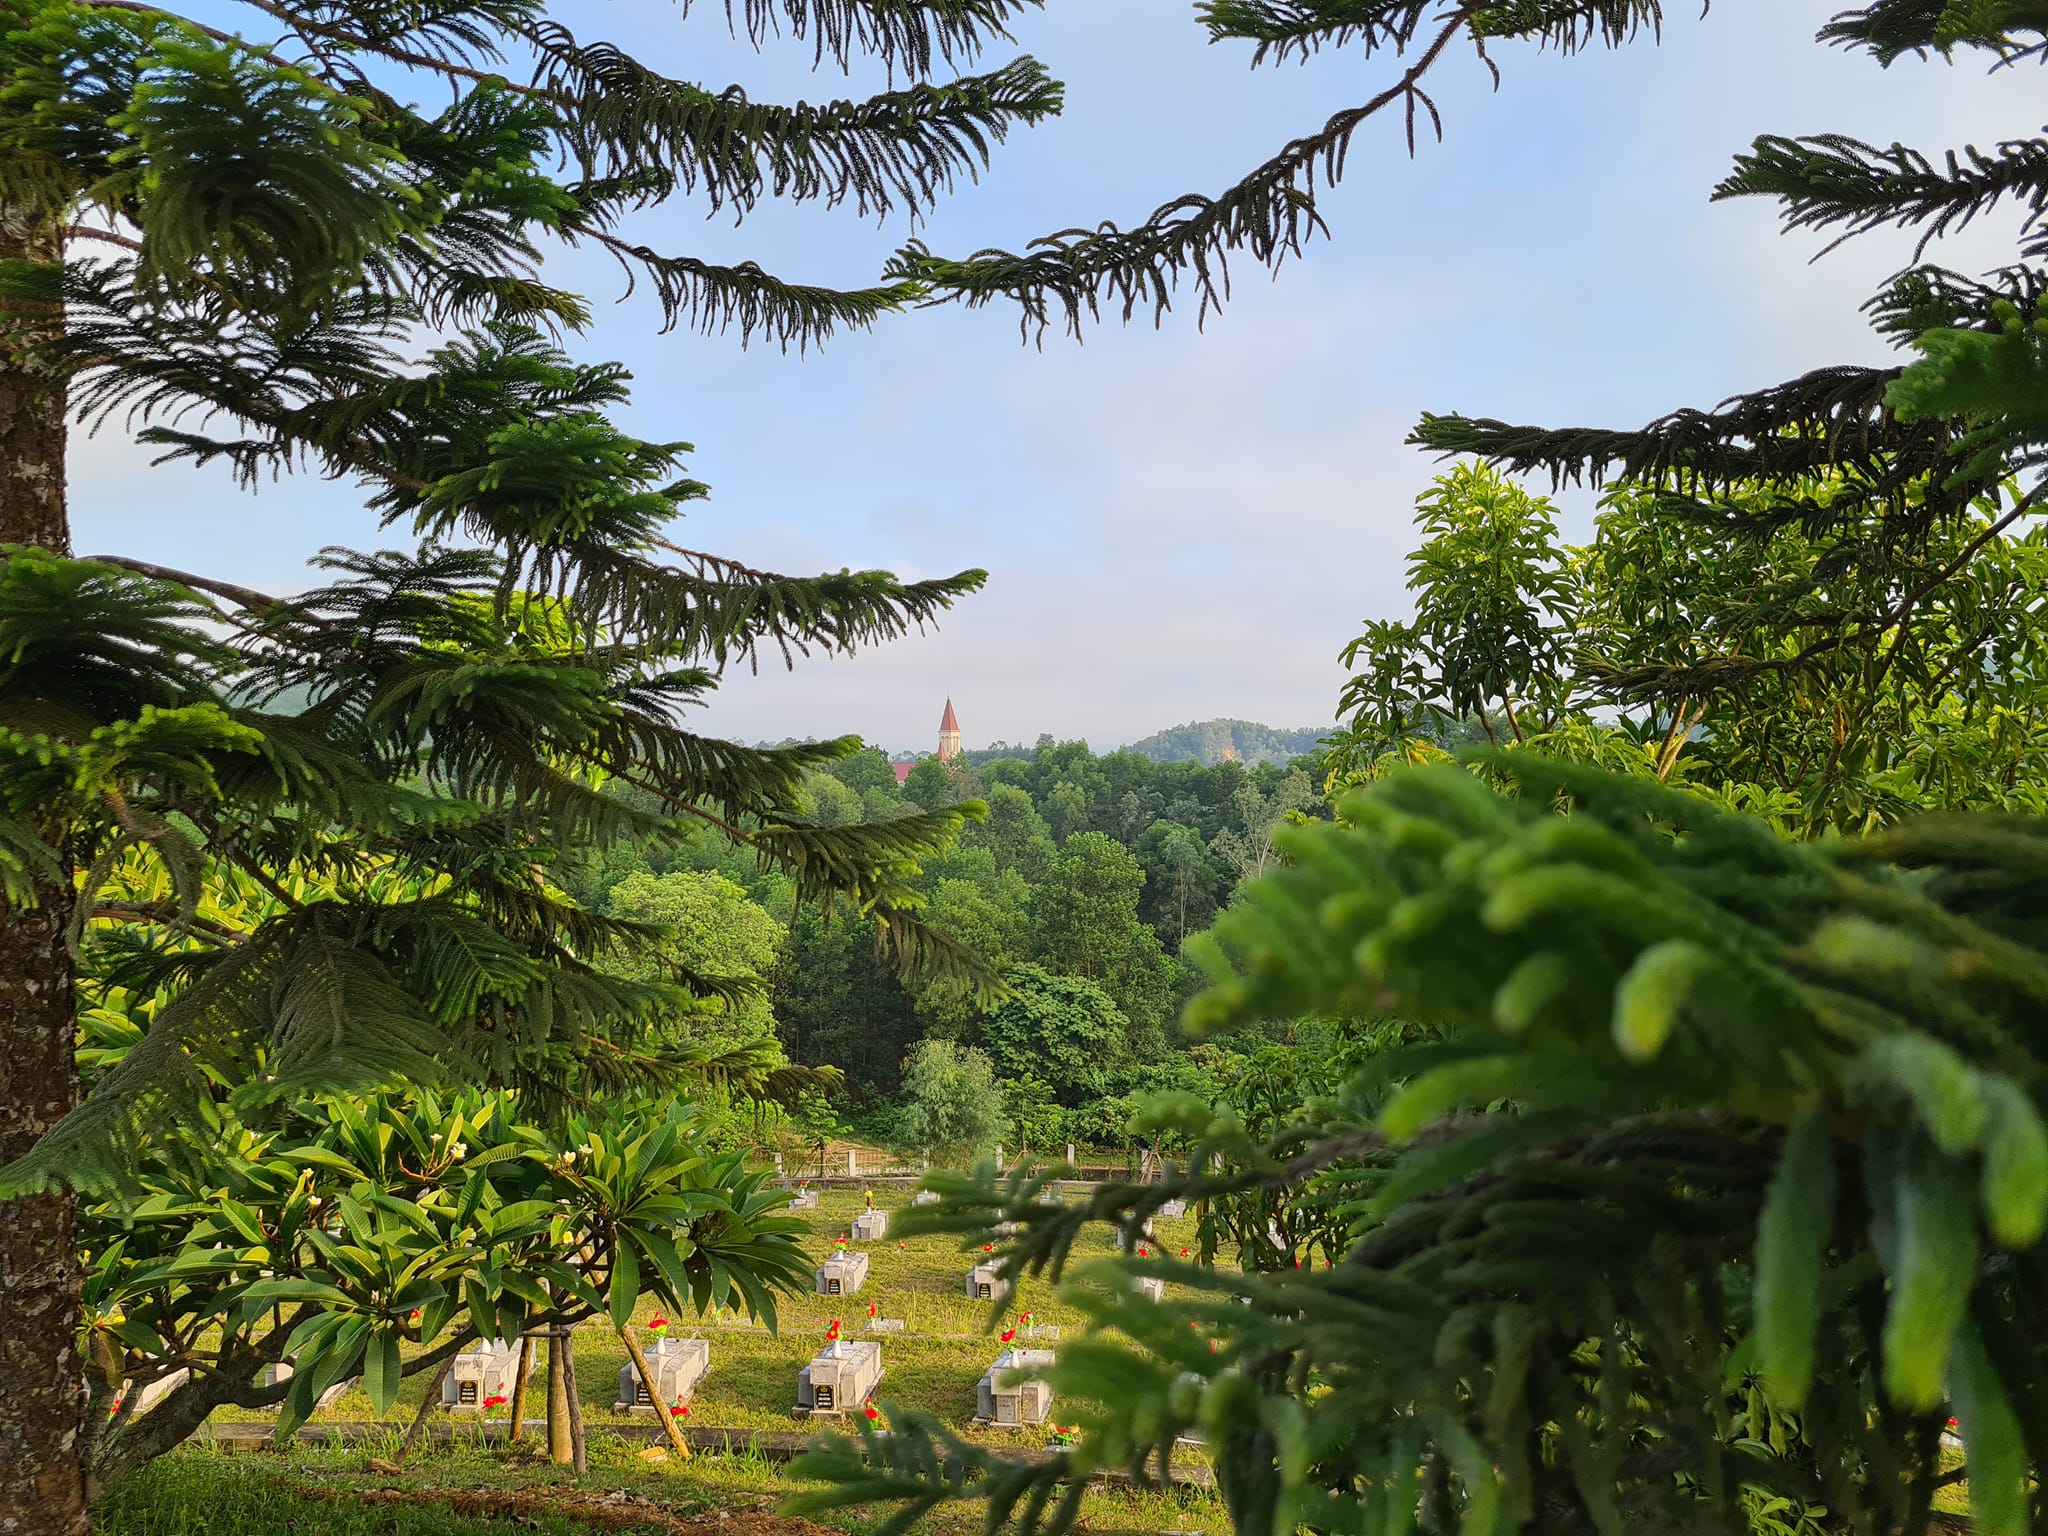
[872, 1413]
[832, 1333]
[658, 1325]
[679, 1409]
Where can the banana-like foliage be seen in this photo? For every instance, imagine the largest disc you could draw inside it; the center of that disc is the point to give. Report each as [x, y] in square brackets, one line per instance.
[1714, 1171]
[374, 1238]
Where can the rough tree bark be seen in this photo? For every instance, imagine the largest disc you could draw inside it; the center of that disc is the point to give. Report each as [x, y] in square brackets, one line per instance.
[42, 1380]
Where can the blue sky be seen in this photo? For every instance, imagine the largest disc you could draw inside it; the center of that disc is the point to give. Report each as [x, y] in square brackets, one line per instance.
[1183, 523]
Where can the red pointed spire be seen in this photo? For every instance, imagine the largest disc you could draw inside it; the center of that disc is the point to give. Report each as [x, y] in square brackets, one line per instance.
[949, 721]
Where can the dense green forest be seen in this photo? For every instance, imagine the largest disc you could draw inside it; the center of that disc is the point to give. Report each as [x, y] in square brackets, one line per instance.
[1077, 889]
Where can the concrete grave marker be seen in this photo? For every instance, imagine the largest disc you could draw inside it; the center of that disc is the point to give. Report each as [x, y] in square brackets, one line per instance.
[840, 1377]
[1000, 1398]
[842, 1274]
[925, 1197]
[481, 1373]
[806, 1200]
[1173, 1209]
[986, 1282]
[870, 1226]
[678, 1365]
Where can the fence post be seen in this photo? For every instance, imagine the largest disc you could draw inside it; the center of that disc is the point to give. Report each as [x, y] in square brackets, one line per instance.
[852, 1164]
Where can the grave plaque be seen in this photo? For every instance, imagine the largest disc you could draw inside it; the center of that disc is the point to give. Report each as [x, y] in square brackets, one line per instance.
[1173, 1209]
[842, 1274]
[806, 1200]
[1002, 1399]
[885, 1325]
[986, 1282]
[870, 1226]
[1153, 1287]
[842, 1376]
[925, 1197]
[678, 1365]
[483, 1372]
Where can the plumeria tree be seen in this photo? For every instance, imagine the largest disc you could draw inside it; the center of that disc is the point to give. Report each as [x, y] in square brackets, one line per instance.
[377, 1239]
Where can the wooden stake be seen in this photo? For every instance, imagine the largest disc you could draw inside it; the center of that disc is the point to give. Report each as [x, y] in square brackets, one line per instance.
[668, 1420]
[427, 1405]
[518, 1430]
[579, 1450]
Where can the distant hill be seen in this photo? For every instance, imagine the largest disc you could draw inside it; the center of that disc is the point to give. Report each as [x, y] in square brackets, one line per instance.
[1216, 741]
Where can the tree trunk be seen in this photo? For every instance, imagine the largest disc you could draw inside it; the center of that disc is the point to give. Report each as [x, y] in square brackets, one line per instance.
[42, 1378]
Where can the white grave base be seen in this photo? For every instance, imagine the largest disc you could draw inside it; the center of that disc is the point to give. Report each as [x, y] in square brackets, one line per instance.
[678, 1365]
[1001, 1399]
[839, 1379]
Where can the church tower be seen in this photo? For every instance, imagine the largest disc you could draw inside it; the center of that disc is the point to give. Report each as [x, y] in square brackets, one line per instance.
[949, 733]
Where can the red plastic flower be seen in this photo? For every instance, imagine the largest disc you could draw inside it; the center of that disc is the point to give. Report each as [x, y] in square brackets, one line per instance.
[871, 1309]
[679, 1410]
[657, 1324]
[988, 1247]
[1951, 1423]
[1183, 1253]
[832, 1333]
[1144, 1252]
[1009, 1335]
[494, 1401]
[871, 1411]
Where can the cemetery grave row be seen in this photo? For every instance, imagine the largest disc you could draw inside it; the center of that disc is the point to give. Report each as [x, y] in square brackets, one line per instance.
[918, 1304]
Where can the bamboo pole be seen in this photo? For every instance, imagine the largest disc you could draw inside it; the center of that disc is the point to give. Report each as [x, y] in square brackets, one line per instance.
[668, 1420]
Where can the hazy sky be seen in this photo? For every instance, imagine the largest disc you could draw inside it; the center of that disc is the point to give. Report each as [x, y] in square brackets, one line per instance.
[1182, 524]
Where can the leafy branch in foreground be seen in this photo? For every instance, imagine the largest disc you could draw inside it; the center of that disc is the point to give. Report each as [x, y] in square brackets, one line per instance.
[1720, 1173]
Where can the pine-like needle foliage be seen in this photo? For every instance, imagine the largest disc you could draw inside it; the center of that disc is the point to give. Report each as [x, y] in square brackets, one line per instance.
[1757, 1208]
[1883, 456]
[273, 261]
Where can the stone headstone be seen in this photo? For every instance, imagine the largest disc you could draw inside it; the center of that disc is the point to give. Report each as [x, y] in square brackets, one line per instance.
[1173, 1209]
[885, 1325]
[1123, 1240]
[485, 1371]
[842, 1274]
[870, 1226]
[1002, 1399]
[1049, 1332]
[840, 1377]
[1152, 1286]
[925, 1197]
[806, 1200]
[986, 1282]
[678, 1365]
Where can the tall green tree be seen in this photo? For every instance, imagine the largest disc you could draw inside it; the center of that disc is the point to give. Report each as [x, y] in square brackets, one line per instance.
[267, 257]
[1084, 922]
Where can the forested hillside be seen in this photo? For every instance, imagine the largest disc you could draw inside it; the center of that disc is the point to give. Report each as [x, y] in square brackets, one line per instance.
[1077, 890]
[1223, 741]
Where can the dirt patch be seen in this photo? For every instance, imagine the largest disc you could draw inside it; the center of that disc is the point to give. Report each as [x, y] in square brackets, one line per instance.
[616, 1511]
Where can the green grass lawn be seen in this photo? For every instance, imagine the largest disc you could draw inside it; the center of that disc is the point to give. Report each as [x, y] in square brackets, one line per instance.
[466, 1491]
